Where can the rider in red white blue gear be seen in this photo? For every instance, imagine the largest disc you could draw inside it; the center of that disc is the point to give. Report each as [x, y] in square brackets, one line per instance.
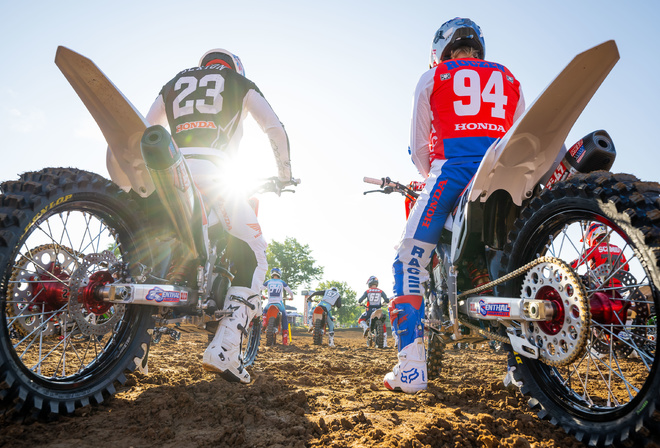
[599, 251]
[461, 106]
[375, 298]
[276, 288]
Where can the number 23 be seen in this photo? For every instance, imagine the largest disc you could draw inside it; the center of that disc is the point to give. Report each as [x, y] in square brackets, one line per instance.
[189, 84]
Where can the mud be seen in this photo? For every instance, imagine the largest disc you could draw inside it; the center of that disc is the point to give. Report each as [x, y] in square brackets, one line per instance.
[301, 396]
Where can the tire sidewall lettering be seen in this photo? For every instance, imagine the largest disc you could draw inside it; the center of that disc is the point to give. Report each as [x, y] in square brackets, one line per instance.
[59, 201]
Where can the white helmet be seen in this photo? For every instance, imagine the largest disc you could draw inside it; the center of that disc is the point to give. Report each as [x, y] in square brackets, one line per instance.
[223, 57]
[456, 33]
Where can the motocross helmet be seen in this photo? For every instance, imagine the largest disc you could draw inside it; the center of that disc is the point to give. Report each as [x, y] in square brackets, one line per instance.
[596, 232]
[222, 57]
[457, 32]
[276, 271]
[334, 288]
[372, 281]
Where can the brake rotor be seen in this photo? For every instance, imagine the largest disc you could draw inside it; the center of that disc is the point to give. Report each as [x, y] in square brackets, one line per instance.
[38, 286]
[564, 338]
[93, 316]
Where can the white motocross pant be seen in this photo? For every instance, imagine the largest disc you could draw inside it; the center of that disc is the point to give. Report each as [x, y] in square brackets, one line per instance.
[235, 213]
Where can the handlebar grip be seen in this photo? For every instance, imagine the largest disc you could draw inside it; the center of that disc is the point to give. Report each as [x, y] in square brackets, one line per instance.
[382, 183]
[371, 180]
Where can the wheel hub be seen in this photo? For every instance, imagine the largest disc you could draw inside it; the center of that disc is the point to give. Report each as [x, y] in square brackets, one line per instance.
[93, 316]
[608, 311]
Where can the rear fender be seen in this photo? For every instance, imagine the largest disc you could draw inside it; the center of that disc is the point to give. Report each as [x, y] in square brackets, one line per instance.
[532, 147]
[319, 313]
[273, 311]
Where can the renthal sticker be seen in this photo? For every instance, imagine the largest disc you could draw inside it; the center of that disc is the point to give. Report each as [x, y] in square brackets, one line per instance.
[494, 309]
[159, 295]
[42, 212]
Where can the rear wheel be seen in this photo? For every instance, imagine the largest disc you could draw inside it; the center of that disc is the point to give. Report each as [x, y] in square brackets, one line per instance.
[379, 333]
[318, 331]
[608, 393]
[435, 346]
[270, 332]
[61, 348]
[250, 343]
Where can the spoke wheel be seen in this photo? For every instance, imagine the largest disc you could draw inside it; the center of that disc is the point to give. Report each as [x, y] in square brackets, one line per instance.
[250, 343]
[62, 347]
[604, 394]
[270, 332]
[318, 331]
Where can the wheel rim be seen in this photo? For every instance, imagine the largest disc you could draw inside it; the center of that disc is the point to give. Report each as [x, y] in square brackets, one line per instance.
[59, 348]
[604, 378]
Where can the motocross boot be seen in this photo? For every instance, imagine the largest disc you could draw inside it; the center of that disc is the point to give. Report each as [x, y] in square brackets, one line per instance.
[285, 337]
[331, 339]
[365, 328]
[410, 374]
[385, 338]
[223, 355]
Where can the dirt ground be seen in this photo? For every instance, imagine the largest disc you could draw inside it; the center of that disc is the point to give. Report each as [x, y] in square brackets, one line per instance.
[301, 396]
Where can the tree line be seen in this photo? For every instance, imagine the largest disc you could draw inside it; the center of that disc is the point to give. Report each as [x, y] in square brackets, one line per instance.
[300, 270]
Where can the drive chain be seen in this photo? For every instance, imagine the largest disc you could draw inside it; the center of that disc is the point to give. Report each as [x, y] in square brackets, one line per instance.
[517, 273]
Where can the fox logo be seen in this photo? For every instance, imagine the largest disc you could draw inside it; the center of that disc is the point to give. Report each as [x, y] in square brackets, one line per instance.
[408, 376]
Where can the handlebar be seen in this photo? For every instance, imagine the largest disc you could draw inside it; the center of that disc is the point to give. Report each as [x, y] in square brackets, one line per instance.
[275, 185]
[388, 186]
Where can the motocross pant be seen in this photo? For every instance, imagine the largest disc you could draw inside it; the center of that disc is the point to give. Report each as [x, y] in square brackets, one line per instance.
[331, 323]
[248, 247]
[364, 317]
[406, 314]
[444, 185]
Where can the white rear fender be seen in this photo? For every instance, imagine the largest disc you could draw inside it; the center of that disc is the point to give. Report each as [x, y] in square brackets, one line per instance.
[518, 161]
[120, 122]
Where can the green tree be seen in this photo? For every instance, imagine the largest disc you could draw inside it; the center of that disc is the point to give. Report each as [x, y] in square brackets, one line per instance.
[295, 260]
[349, 312]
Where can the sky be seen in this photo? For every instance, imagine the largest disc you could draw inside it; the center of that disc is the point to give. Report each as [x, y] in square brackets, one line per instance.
[340, 75]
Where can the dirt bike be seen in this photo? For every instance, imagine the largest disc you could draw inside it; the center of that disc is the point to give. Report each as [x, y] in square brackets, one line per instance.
[273, 326]
[84, 264]
[376, 334]
[581, 349]
[319, 324]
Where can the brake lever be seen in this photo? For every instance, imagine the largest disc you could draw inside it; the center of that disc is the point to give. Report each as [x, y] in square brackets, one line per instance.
[374, 191]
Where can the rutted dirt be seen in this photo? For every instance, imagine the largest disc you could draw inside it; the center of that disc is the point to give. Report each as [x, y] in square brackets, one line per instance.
[301, 396]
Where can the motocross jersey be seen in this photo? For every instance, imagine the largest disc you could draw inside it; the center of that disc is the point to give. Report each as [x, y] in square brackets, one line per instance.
[276, 289]
[461, 107]
[205, 108]
[604, 253]
[331, 297]
[375, 298]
